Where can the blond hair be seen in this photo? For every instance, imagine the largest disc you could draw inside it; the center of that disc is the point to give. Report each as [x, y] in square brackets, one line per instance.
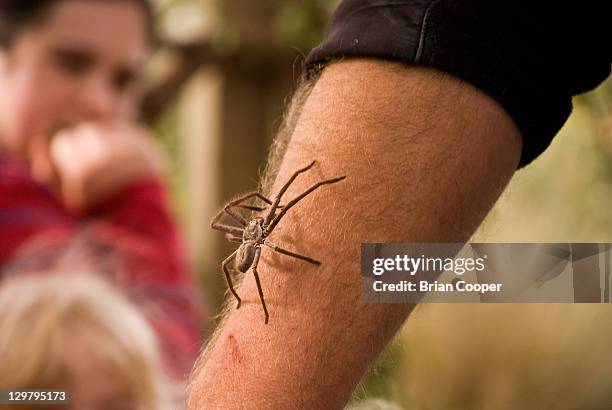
[40, 313]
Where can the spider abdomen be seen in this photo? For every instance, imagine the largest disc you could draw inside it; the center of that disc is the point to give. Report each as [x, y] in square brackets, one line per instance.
[245, 256]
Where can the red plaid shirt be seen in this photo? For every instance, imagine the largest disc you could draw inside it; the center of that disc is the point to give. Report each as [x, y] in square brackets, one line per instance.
[131, 238]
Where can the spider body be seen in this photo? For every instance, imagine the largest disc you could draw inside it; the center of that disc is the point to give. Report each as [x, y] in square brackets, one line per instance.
[252, 234]
[252, 238]
[245, 256]
[254, 231]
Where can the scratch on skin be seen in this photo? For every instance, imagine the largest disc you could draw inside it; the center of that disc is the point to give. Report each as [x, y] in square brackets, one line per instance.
[235, 352]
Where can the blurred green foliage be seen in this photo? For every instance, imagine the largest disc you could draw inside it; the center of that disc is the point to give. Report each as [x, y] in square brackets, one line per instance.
[302, 23]
[298, 23]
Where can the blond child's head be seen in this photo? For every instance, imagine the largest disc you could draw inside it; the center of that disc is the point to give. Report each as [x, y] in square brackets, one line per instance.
[77, 333]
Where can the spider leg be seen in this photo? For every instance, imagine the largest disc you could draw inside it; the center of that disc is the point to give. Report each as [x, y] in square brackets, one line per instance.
[297, 199]
[235, 215]
[233, 238]
[271, 214]
[228, 277]
[252, 207]
[293, 254]
[261, 296]
[237, 203]
[257, 208]
[256, 195]
[215, 224]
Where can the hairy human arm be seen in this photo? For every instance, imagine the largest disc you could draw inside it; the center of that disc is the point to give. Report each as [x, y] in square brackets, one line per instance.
[425, 156]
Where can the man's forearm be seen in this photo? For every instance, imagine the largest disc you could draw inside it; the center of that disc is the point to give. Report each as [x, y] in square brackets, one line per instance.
[425, 156]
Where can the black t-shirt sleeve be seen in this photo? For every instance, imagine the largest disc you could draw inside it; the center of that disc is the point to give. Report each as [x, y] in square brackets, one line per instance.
[531, 57]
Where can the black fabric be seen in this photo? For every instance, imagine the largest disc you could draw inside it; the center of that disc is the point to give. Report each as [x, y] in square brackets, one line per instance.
[531, 57]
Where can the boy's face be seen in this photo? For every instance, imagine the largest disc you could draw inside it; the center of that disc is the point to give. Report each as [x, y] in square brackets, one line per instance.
[79, 64]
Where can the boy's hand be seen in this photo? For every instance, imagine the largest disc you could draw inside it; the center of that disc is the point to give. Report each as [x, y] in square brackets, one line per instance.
[90, 162]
